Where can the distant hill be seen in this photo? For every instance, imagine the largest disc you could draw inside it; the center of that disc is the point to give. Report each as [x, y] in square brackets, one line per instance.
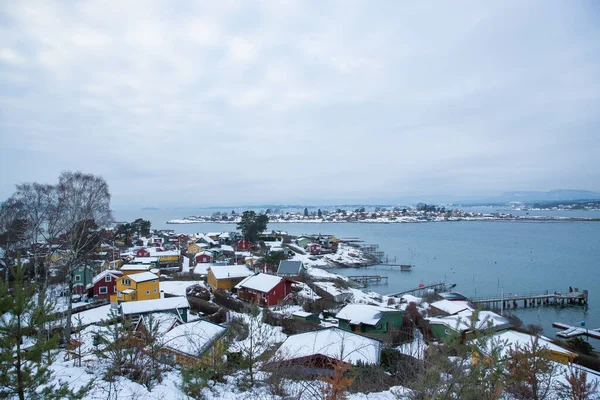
[533, 196]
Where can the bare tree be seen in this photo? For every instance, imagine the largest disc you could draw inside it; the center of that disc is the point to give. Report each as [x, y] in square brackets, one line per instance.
[82, 208]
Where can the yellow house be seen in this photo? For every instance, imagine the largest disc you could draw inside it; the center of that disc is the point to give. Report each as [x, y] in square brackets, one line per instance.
[194, 343]
[169, 257]
[195, 248]
[226, 276]
[130, 269]
[510, 339]
[142, 286]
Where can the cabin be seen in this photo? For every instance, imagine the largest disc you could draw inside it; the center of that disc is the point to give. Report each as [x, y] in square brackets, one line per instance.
[142, 253]
[177, 306]
[267, 290]
[146, 260]
[104, 284]
[82, 277]
[319, 352]
[186, 344]
[226, 276]
[136, 287]
[307, 317]
[314, 248]
[167, 258]
[509, 339]
[204, 257]
[363, 318]
[290, 268]
[462, 323]
[195, 248]
[243, 245]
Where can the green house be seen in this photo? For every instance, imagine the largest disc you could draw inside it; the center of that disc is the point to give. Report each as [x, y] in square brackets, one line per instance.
[82, 277]
[463, 324]
[306, 316]
[362, 318]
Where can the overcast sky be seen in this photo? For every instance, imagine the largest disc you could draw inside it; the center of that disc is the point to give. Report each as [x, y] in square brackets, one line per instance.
[219, 103]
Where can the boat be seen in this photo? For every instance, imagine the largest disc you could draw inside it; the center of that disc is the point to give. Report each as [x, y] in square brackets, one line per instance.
[406, 267]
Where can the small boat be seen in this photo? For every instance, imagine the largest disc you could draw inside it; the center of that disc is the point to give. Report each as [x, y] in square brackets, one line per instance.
[406, 267]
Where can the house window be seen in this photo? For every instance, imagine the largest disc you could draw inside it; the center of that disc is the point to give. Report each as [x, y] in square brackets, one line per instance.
[120, 294]
[103, 290]
[114, 289]
[446, 331]
[77, 278]
[127, 282]
[107, 279]
[147, 292]
[154, 290]
[154, 281]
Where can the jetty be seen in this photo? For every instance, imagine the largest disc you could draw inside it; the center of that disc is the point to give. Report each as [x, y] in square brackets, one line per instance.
[366, 279]
[403, 267]
[572, 331]
[533, 299]
[435, 287]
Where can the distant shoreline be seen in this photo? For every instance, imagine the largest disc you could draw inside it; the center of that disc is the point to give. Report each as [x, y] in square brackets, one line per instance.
[403, 221]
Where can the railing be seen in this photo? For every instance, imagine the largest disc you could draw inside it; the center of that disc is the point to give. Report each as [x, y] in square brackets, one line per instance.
[519, 295]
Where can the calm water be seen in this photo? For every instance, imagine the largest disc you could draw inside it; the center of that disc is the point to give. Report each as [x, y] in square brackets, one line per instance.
[482, 258]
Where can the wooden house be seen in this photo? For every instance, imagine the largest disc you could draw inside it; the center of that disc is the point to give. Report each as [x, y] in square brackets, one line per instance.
[104, 284]
[290, 268]
[264, 289]
[204, 257]
[135, 287]
[187, 343]
[142, 253]
[82, 277]
[362, 318]
[178, 306]
[226, 276]
[462, 323]
[319, 352]
[243, 245]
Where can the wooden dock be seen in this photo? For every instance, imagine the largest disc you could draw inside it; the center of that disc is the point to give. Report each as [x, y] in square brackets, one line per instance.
[365, 279]
[436, 287]
[533, 299]
[403, 267]
[572, 331]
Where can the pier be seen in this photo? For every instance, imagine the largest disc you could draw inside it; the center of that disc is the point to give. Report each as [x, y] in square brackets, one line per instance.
[435, 287]
[572, 331]
[365, 279]
[533, 299]
[403, 267]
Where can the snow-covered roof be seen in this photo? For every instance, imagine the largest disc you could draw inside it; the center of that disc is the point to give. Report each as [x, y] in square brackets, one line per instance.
[289, 267]
[163, 321]
[230, 271]
[362, 313]
[144, 260]
[510, 339]
[145, 306]
[192, 338]
[136, 267]
[261, 282]
[452, 307]
[226, 247]
[332, 342]
[462, 320]
[302, 314]
[128, 291]
[165, 253]
[105, 273]
[142, 277]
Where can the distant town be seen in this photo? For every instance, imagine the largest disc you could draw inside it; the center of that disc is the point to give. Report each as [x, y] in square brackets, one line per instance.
[420, 213]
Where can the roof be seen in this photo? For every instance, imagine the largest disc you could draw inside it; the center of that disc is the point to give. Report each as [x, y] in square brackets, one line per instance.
[230, 271]
[452, 307]
[302, 314]
[144, 306]
[261, 282]
[332, 342]
[462, 320]
[142, 277]
[105, 273]
[363, 313]
[128, 291]
[136, 267]
[193, 338]
[510, 339]
[144, 259]
[162, 321]
[289, 267]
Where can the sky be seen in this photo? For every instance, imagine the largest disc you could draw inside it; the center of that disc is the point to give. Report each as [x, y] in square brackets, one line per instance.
[179, 103]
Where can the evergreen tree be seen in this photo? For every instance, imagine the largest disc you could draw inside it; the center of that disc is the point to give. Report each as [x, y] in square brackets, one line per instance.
[305, 211]
[26, 348]
[319, 213]
[251, 225]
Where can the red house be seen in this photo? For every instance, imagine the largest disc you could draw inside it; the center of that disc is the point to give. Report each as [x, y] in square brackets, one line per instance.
[104, 284]
[203, 257]
[142, 253]
[314, 248]
[267, 290]
[243, 244]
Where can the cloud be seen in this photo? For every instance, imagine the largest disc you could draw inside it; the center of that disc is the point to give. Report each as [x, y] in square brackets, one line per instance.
[275, 101]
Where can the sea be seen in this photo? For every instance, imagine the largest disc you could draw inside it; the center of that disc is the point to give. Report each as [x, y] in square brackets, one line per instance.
[483, 258]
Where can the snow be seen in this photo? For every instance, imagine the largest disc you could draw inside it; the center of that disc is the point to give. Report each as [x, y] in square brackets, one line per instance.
[511, 339]
[193, 338]
[452, 307]
[144, 306]
[302, 314]
[92, 316]
[416, 348]
[186, 265]
[230, 271]
[136, 267]
[331, 342]
[109, 272]
[362, 314]
[143, 277]
[261, 282]
[177, 287]
[409, 298]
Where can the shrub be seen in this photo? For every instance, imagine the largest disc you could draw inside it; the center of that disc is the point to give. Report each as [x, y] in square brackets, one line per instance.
[224, 299]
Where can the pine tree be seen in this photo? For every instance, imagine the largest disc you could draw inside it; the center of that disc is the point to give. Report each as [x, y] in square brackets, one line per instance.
[26, 348]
